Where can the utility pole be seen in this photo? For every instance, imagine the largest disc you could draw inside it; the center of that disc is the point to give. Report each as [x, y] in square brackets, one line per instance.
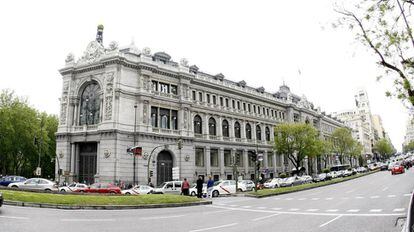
[135, 141]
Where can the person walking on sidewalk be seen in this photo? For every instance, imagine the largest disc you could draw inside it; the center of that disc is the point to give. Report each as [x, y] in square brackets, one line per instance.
[210, 184]
[200, 183]
[185, 187]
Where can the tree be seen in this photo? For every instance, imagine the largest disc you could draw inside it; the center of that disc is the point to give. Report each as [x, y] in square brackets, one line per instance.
[408, 147]
[384, 148]
[342, 142]
[355, 152]
[385, 28]
[297, 141]
[326, 152]
[20, 124]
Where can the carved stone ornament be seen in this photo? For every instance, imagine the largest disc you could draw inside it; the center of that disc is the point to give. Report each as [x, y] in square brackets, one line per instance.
[145, 112]
[113, 45]
[184, 62]
[107, 153]
[93, 52]
[70, 58]
[61, 155]
[146, 51]
[63, 106]
[109, 78]
[187, 158]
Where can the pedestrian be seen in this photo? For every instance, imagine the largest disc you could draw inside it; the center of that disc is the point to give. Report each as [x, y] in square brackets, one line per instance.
[185, 187]
[199, 185]
[210, 184]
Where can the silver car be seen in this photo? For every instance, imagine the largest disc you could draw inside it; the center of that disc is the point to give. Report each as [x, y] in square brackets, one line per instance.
[36, 184]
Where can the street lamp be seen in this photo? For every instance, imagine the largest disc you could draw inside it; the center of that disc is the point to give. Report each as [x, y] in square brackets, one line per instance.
[135, 141]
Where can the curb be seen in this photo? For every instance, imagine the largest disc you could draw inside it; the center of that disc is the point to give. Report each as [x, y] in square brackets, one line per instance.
[103, 207]
[299, 190]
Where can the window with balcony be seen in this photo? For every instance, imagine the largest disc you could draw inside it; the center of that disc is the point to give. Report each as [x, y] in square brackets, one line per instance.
[198, 125]
[212, 126]
[225, 128]
[267, 132]
[248, 131]
[258, 133]
[90, 104]
[237, 133]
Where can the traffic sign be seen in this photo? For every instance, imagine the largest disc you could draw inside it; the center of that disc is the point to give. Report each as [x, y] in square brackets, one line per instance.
[38, 171]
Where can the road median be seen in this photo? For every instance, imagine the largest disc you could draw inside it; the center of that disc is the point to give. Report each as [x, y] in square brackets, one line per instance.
[64, 201]
[278, 191]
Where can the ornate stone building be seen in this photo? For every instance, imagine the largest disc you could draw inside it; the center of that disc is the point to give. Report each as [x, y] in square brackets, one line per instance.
[112, 92]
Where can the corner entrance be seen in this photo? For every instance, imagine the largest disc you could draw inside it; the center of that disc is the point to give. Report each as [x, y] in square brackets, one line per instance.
[87, 162]
[164, 167]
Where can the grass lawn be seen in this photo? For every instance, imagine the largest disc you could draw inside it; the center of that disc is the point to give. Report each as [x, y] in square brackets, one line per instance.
[84, 200]
[276, 191]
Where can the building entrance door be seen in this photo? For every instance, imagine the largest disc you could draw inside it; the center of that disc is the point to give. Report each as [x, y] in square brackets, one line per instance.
[164, 167]
[87, 162]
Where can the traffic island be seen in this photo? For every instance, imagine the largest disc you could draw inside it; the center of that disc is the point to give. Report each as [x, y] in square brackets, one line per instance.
[284, 190]
[63, 201]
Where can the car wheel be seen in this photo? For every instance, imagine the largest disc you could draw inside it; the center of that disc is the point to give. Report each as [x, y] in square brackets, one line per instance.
[253, 189]
[48, 190]
[193, 194]
[112, 193]
[62, 190]
[127, 193]
[81, 191]
[215, 193]
[240, 190]
[14, 186]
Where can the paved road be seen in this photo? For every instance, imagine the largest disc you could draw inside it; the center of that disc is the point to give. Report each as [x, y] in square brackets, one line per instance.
[371, 203]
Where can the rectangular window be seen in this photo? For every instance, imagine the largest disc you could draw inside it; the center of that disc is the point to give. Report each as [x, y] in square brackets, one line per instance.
[199, 157]
[200, 96]
[221, 101]
[227, 102]
[296, 117]
[273, 113]
[154, 86]
[214, 100]
[244, 106]
[174, 120]
[164, 88]
[174, 89]
[208, 98]
[227, 158]
[267, 112]
[238, 105]
[254, 109]
[165, 118]
[233, 104]
[270, 160]
[194, 95]
[279, 160]
[258, 109]
[239, 158]
[154, 116]
[214, 158]
[249, 108]
[251, 163]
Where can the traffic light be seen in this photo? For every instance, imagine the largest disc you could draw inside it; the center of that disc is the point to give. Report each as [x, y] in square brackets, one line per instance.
[180, 144]
[237, 158]
[151, 173]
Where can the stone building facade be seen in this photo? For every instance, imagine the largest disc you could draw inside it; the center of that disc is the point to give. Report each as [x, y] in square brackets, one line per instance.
[113, 98]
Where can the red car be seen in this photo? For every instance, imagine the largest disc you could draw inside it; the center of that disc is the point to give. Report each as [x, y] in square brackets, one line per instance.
[101, 188]
[397, 169]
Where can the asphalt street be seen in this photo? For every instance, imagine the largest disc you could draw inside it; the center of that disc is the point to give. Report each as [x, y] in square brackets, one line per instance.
[371, 203]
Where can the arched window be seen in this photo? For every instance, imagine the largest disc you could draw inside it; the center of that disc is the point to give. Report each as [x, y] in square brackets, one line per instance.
[225, 128]
[212, 126]
[198, 125]
[267, 131]
[237, 130]
[248, 131]
[258, 133]
[90, 105]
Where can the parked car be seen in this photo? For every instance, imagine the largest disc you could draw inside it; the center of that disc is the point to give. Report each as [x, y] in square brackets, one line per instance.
[397, 169]
[306, 179]
[193, 190]
[361, 169]
[36, 184]
[138, 189]
[1, 199]
[384, 167]
[224, 187]
[291, 181]
[321, 177]
[272, 183]
[6, 180]
[73, 187]
[333, 174]
[245, 185]
[348, 172]
[172, 187]
[101, 188]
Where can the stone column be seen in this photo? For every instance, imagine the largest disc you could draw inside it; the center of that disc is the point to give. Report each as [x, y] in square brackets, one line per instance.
[77, 158]
[231, 129]
[243, 130]
[245, 162]
[265, 161]
[221, 161]
[253, 125]
[207, 160]
[180, 119]
[205, 125]
[274, 163]
[219, 128]
[272, 133]
[72, 158]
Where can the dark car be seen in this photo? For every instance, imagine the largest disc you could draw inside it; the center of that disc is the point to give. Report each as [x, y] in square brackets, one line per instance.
[384, 167]
[1, 199]
[101, 188]
[6, 180]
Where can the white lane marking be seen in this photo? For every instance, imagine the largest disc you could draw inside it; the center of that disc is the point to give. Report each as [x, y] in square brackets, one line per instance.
[277, 198]
[162, 217]
[294, 209]
[350, 191]
[407, 194]
[391, 196]
[233, 205]
[220, 211]
[331, 210]
[375, 210]
[261, 207]
[399, 210]
[359, 197]
[261, 218]
[302, 199]
[326, 223]
[328, 198]
[216, 227]
[86, 220]
[315, 199]
[353, 211]
[289, 199]
[18, 218]
[374, 197]
[246, 206]
[384, 189]
[312, 210]
[276, 208]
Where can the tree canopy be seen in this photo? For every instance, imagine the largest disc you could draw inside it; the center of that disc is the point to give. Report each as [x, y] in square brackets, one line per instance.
[384, 148]
[385, 28]
[297, 141]
[409, 147]
[20, 126]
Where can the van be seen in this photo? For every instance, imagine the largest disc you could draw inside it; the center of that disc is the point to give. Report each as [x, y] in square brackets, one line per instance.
[169, 187]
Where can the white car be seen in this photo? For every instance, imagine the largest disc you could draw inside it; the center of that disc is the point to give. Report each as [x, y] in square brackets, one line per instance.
[306, 179]
[193, 190]
[73, 187]
[224, 187]
[245, 185]
[36, 184]
[138, 189]
[272, 183]
[169, 187]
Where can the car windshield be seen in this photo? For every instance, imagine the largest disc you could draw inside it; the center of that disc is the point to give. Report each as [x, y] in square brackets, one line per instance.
[217, 183]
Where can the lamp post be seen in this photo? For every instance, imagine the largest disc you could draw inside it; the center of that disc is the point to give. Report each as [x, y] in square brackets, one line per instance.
[135, 141]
